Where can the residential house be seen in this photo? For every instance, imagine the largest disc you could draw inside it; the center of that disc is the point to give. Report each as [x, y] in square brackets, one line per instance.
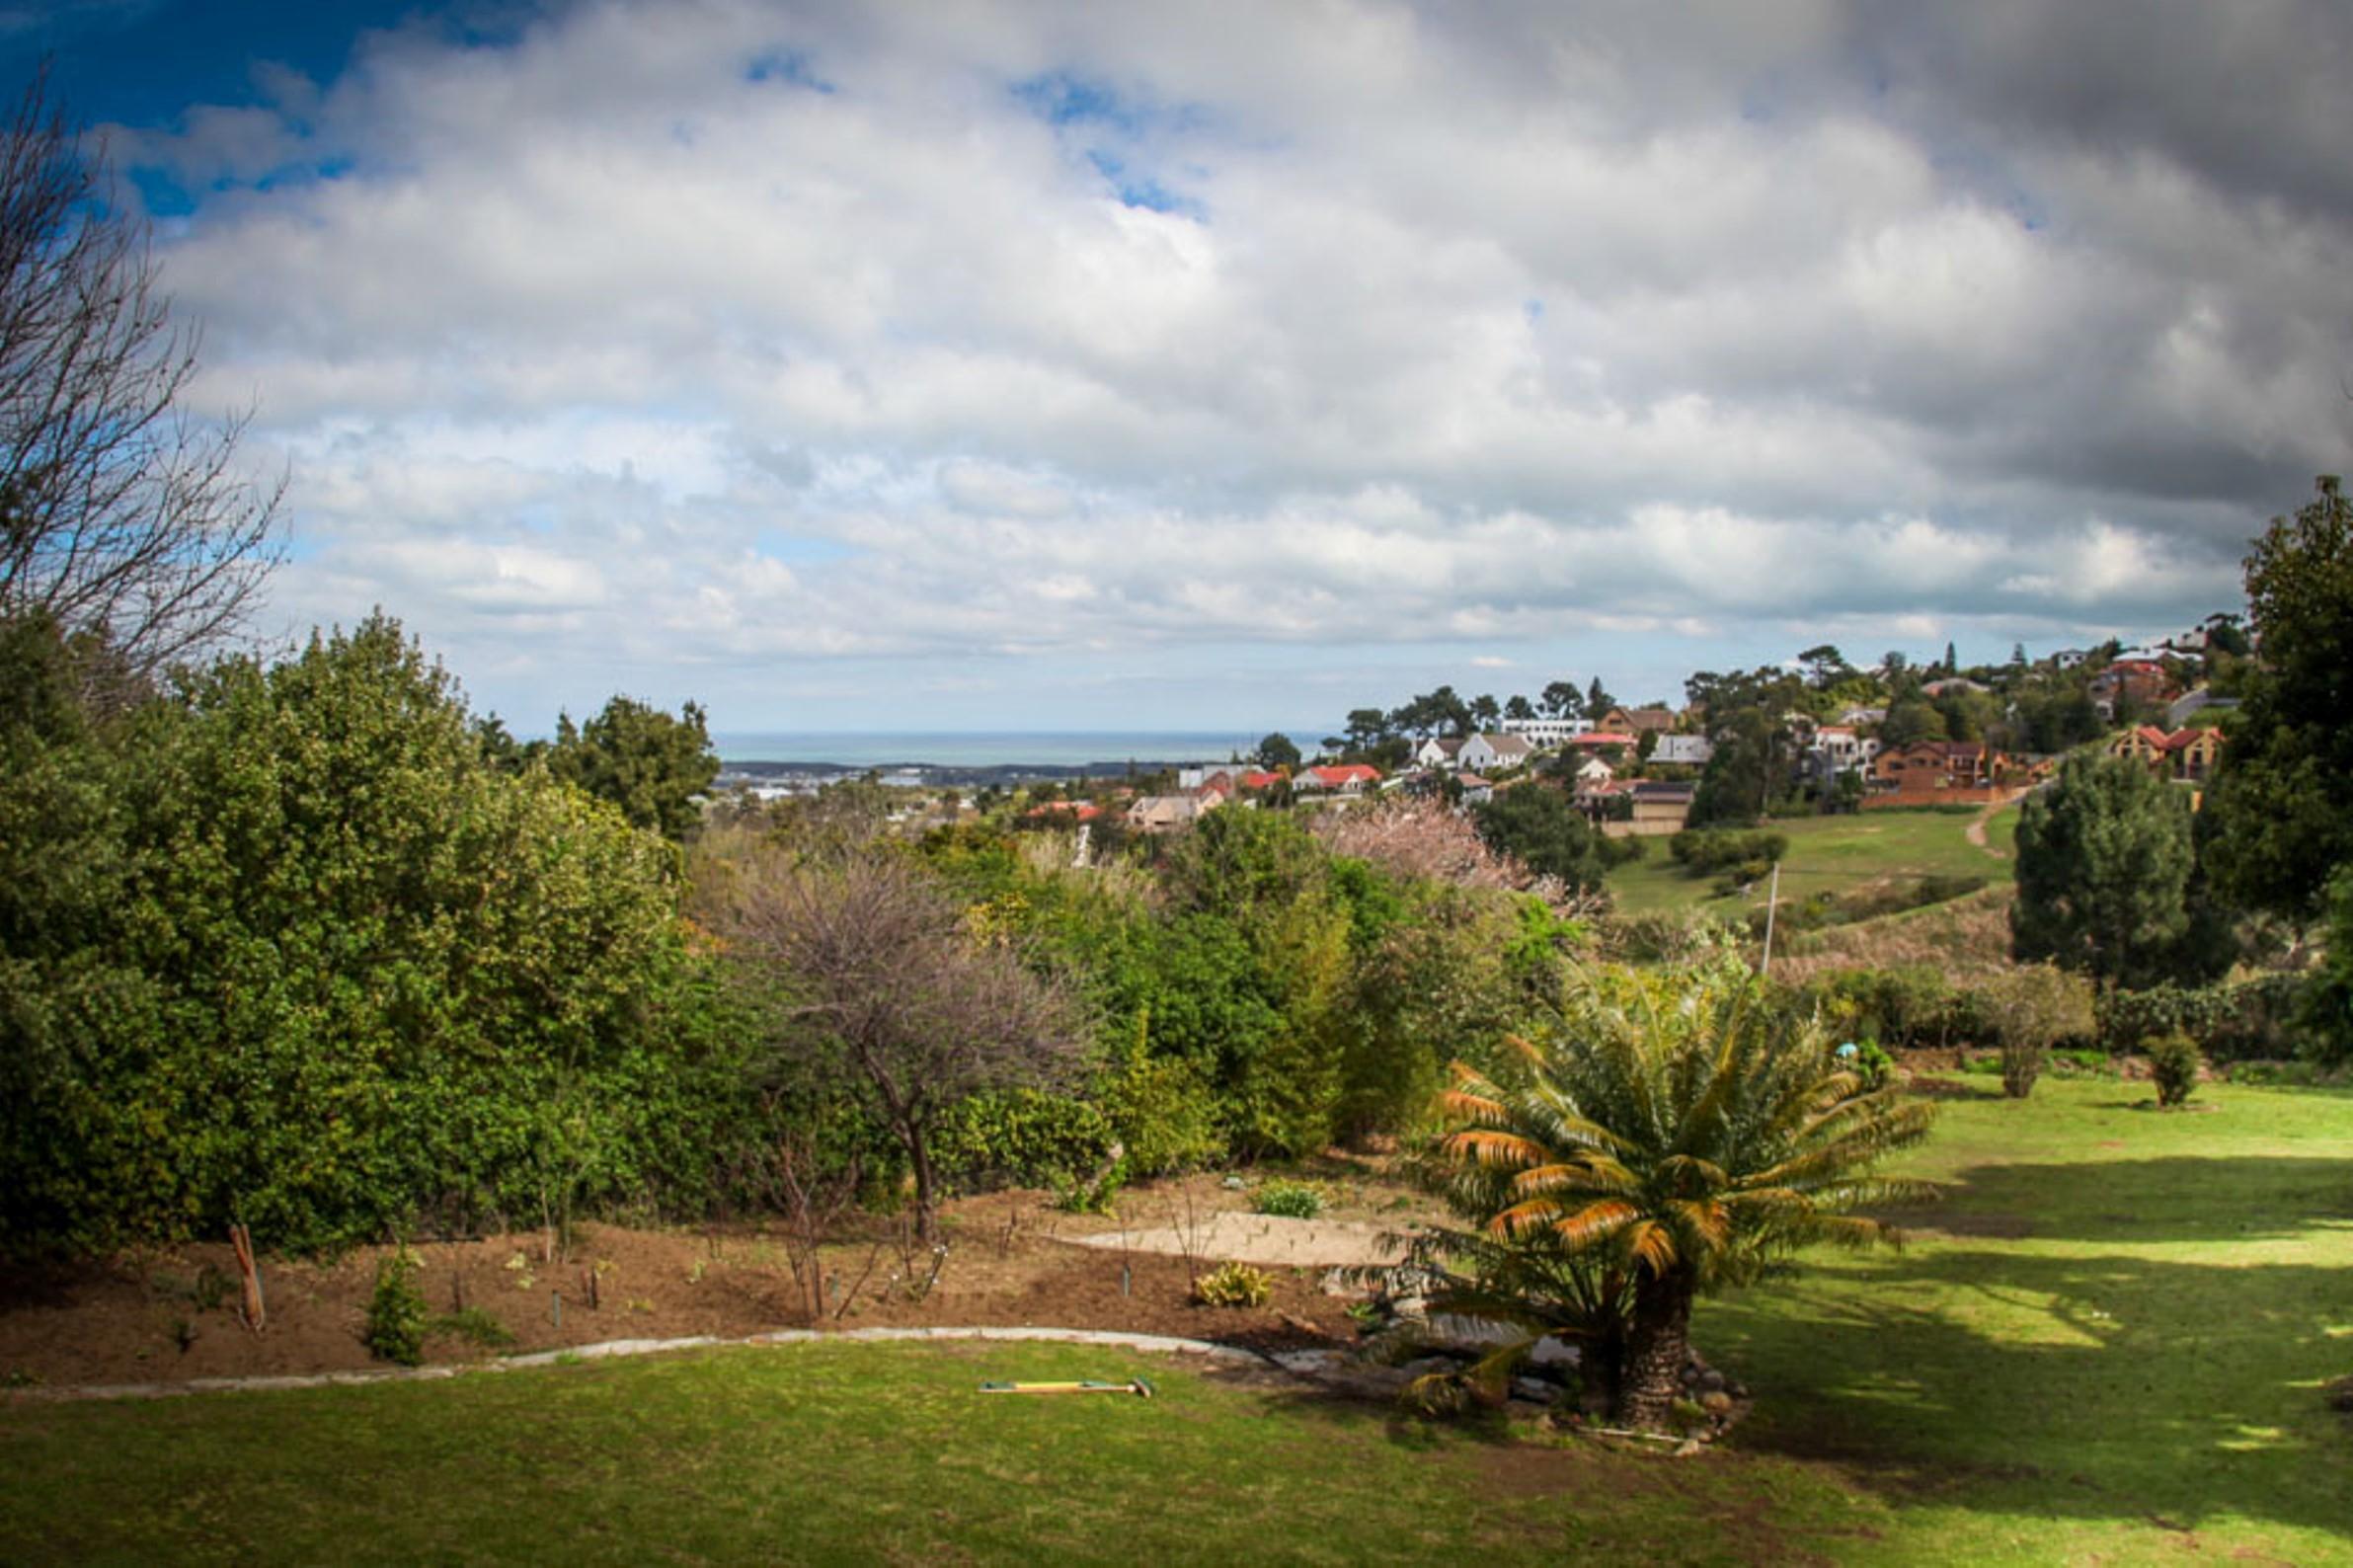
[1837, 749]
[1683, 751]
[1951, 683]
[1931, 766]
[1659, 808]
[2139, 681]
[1164, 814]
[1595, 741]
[1438, 753]
[1477, 791]
[1859, 714]
[1486, 753]
[1637, 721]
[1343, 778]
[2185, 756]
[1593, 771]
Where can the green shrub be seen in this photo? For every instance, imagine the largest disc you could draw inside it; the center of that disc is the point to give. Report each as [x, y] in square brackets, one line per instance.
[2173, 1063]
[1235, 1284]
[1290, 1199]
[2254, 1020]
[476, 1326]
[396, 1316]
[1022, 1137]
[1164, 1113]
[1747, 853]
[1872, 1064]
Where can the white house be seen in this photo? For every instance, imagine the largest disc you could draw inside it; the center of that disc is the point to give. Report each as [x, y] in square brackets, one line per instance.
[1484, 754]
[1688, 750]
[1434, 752]
[1593, 771]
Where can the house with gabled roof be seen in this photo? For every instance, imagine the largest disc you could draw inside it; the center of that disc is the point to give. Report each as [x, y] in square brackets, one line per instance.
[1485, 753]
[1337, 778]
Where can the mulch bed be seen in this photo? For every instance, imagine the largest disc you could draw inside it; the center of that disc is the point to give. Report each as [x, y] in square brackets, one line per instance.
[142, 1317]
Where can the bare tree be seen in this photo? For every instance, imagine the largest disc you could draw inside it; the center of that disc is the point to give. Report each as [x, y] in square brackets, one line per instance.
[119, 514]
[881, 969]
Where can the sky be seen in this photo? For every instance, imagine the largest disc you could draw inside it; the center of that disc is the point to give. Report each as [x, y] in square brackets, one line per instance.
[1132, 366]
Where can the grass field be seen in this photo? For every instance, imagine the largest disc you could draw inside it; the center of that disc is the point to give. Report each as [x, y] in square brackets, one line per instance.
[1832, 854]
[2110, 1349]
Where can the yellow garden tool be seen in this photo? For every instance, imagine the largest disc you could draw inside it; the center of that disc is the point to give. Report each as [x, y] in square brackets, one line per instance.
[1136, 1386]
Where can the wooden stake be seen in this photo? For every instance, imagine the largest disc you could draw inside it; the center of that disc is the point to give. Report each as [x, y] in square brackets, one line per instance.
[251, 1306]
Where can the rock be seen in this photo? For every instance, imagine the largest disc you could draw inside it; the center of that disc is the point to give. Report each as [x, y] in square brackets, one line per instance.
[1234, 1184]
[1411, 1308]
[1468, 1333]
[1312, 1363]
[1716, 1402]
[1712, 1381]
[1337, 1283]
[1429, 1366]
[1534, 1389]
[1553, 1351]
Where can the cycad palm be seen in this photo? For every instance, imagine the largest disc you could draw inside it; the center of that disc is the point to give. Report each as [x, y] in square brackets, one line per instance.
[1672, 1137]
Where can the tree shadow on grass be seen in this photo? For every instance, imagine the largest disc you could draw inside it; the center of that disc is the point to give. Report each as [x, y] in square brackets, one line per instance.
[2170, 1200]
[2088, 1388]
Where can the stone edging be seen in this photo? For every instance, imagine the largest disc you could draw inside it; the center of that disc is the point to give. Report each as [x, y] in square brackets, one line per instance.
[1158, 1344]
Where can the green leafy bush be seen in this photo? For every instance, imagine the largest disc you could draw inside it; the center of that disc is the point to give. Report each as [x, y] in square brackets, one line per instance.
[1023, 1138]
[2253, 1020]
[475, 1326]
[1287, 1199]
[396, 1316]
[1744, 852]
[1235, 1284]
[2173, 1063]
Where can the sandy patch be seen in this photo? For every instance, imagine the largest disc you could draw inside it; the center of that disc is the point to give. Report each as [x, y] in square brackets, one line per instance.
[1270, 1239]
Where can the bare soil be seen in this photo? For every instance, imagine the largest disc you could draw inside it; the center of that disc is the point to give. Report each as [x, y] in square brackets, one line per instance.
[143, 1317]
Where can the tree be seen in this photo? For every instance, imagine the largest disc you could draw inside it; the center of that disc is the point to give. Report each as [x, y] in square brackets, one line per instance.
[651, 765]
[1518, 708]
[1825, 666]
[2107, 881]
[879, 969]
[1952, 661]
[1674, 1136]
[1911, 720]
[1277, 754]
[1598, 700]
[1562, 701]
[1541, 828]
[1738, 781]
[1367, 728]
[121, 514]
[1485, 712]
[2279, 819]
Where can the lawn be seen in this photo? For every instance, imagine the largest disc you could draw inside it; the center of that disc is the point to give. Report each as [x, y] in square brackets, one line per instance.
[2109, 1349]
[1832, 854]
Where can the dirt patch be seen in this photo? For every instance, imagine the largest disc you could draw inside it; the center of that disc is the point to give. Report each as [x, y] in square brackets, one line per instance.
[1264, 1240]
[157, 1315]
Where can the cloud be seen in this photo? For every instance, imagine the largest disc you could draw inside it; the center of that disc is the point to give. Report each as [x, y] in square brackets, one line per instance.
[1034, 333]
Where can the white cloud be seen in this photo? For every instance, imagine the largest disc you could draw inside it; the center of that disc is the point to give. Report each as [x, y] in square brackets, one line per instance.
[710, 337]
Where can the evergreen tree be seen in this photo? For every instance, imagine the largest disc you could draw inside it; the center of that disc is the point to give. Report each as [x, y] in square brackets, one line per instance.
[2279, 820]
[2107, 880]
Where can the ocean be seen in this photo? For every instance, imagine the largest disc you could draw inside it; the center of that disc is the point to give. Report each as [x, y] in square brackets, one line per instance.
[982, 749]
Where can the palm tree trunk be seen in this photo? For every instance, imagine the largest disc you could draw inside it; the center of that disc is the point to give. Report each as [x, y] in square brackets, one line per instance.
[1658, 1345]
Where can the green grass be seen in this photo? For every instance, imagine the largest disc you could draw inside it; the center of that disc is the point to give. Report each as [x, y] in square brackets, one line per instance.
[2111, 1345]
[1831, 854]
[2109, 1351]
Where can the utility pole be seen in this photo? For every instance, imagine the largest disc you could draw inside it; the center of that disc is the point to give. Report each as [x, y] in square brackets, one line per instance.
[1772, 897]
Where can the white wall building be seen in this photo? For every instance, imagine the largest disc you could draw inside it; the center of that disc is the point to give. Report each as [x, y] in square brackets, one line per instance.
[1544, 734]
